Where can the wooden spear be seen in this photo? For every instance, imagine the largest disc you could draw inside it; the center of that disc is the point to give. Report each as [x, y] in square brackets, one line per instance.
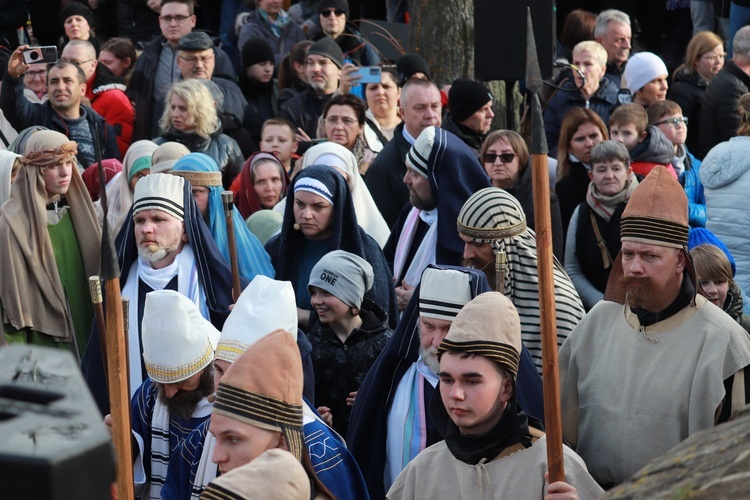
[227, 198]
[95, 290]
[540, 182]
[116, 350]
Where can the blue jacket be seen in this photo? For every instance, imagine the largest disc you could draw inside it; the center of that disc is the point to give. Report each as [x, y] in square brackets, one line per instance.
[602, 103]
[690, 180]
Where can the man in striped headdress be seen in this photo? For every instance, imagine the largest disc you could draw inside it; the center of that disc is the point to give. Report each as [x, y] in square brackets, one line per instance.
[492, 225]
[653, 362]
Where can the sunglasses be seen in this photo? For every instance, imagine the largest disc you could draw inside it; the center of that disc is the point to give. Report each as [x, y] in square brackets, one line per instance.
[504, 157]
[328, 12]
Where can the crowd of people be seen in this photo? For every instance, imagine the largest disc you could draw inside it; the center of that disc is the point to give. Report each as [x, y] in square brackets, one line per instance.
[386, 337]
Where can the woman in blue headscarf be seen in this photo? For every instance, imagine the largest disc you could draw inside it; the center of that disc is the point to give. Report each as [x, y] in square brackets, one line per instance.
[205, 178]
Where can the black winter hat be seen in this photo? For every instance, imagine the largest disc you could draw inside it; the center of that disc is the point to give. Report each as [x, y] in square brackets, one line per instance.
[77, 9]
[327, 47]
[410, 64]
[256, 50]
[334, 4]
[466, 97]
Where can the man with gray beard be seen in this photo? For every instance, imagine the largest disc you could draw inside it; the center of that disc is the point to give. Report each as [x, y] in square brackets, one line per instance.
[389, 424]
[164, 244]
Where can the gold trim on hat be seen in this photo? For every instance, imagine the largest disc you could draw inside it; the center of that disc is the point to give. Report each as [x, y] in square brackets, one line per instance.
[491, 233]
[166, 375]
[203, 179]
[230, 350]
[252, 406]
[504, 354]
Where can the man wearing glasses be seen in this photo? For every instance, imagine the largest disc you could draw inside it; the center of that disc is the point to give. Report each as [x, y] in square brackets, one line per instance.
[157, 68]
[333, 16]
[197, 58]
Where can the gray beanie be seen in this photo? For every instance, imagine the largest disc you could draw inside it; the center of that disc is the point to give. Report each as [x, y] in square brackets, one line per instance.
[343, 275]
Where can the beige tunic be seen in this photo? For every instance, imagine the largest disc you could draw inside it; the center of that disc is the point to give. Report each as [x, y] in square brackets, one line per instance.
[630, 393]
[435, 473]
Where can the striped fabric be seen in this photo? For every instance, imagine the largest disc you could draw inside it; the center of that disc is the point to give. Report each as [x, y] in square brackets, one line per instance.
[502, 353]
[160, 192]
[491, 210]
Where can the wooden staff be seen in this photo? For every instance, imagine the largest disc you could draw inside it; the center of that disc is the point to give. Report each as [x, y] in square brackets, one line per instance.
[227, 198]
[95, 290]
[126, 331]
[540, 182]
[115, 348]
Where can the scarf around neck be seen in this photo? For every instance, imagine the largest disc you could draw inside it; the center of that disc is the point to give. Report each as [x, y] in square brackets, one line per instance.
[605, 205]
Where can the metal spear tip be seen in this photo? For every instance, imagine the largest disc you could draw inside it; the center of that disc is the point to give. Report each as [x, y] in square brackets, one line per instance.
[533, 72]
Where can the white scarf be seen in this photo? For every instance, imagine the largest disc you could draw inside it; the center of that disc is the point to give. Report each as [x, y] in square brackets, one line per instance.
[425, 254]
[188, 285]
[206, 471]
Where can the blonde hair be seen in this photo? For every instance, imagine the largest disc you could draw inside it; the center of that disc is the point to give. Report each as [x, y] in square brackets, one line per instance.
[199, 104]
[702, 43]
[594, 48]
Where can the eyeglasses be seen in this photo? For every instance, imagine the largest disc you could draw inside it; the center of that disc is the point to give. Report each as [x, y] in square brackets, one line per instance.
[41, 74]
[169, 19]
[328, 12]
[714, 57]
[345, 120]
[194, 60]
[673, 122]
[73, 61]
[504, 157]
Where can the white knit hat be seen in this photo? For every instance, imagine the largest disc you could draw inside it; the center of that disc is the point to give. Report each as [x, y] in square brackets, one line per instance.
[264, 306]
[641, 69]
[160, 192]
[443, 292]
[177, 341]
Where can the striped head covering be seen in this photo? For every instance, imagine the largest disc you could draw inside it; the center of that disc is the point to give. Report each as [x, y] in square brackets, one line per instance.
[160, 192]
[657, 212]
[494, 216]
[275, 475]
[264, 306]
[263, 388]
[418, 156]
[443, 292]
[489, 326]
[177, 341]
[314, 186]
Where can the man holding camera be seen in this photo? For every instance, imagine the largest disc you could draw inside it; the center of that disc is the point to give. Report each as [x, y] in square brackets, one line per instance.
[63, 112]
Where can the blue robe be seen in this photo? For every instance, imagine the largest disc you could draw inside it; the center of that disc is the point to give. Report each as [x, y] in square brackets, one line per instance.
[142, 410]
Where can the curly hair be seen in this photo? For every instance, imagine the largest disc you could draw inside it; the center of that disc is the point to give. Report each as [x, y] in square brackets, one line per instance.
[199, 103]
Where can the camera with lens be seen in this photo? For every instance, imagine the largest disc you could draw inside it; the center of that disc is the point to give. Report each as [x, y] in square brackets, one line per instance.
[45, 54]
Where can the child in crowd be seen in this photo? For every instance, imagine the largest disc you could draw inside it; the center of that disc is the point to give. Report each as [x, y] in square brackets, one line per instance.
[667, 117]
[277, 136]
[714, 274]
[646, 144]
[348, 336]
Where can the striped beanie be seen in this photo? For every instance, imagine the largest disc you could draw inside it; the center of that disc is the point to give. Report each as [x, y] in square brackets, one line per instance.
[443, 292]
[160, 192]
[657, 212]
[417, 156]
[263, 388]
[489, 326]
[177, 341]
[491, 214]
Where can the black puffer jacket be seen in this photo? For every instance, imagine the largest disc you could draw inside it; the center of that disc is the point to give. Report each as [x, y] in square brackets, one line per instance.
[304, 109]
[340, 367]
[688, 90]
[219, 146]
[720, 118]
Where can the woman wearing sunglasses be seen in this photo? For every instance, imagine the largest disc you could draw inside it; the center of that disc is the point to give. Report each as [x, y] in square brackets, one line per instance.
[506, 160]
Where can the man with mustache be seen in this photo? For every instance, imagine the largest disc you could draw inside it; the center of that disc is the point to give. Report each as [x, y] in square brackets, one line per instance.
[389, 424]
[654, 362]
[163, 244]
[178, 350]
[492, 225]
[63, 112]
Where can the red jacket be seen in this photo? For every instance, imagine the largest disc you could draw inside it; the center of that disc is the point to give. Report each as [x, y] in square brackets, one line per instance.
[109, 100]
